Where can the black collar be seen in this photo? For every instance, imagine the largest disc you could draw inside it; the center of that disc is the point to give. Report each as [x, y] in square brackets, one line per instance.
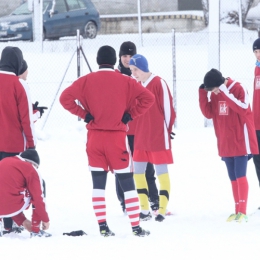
[106, 66]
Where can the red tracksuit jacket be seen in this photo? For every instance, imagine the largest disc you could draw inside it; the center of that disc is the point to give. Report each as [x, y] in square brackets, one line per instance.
[19, 178]
[153, 129]
[232, 119]
[131, 124]
[16, 116]
[107, 89]
[256, 98]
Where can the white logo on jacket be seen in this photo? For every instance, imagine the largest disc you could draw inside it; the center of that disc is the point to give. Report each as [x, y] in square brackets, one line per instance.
[257, 82]
[223, 108]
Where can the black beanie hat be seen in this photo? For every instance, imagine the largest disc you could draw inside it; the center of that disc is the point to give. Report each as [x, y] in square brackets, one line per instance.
[127, 48]
[106, 55]
[212, 79]
[31, 155]
[256, 44]
[24, 67]
[11, 60]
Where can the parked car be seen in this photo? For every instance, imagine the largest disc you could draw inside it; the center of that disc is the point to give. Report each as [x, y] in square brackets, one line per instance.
[60, 18]
[252, 21]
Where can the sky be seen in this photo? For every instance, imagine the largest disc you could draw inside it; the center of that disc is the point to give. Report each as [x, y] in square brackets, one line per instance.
[201, 198]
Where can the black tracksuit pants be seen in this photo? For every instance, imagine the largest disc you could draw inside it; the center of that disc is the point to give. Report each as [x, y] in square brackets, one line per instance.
[256, 157]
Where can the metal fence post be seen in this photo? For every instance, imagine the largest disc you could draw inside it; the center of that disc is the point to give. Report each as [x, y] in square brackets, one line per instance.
[174, 90]
[140, 21]
[78, 59]
[78, 53]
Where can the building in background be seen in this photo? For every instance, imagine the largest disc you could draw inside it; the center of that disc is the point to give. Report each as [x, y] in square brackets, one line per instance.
[121, 16]
[130, 7]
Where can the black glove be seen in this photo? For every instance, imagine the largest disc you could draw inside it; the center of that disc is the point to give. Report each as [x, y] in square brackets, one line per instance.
[88, 118]
[75, 233]
[126, 118]
[40, 109]
[172, 134]
[202, 86]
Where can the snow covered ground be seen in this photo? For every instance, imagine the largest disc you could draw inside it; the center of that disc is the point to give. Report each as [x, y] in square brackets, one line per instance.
[201, 200]
[201, 197]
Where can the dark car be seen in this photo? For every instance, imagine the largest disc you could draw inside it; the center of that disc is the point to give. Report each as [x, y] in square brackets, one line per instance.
[60, 18]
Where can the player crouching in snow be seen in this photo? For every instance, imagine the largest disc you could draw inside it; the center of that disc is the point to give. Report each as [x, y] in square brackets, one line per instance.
[233, 122]
[21, 185]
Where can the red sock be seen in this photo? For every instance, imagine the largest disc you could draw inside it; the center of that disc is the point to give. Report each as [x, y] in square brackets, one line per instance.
[36, 221]
[243, 193]
[235, 195]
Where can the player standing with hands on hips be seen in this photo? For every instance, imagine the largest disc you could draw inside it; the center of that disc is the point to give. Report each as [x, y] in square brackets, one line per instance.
[107, 99]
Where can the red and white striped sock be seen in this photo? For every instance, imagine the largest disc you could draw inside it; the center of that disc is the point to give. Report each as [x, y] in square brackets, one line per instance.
[99, 204]
[132, 207]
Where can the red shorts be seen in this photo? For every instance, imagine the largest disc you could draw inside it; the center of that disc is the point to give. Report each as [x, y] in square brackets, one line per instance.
[159, 157]
[109, 150]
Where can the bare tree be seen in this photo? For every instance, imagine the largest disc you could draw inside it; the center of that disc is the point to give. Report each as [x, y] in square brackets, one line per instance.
[245, 6]
[205, 7]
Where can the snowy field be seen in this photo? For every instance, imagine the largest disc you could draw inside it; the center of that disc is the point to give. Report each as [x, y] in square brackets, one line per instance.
[201, 197]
